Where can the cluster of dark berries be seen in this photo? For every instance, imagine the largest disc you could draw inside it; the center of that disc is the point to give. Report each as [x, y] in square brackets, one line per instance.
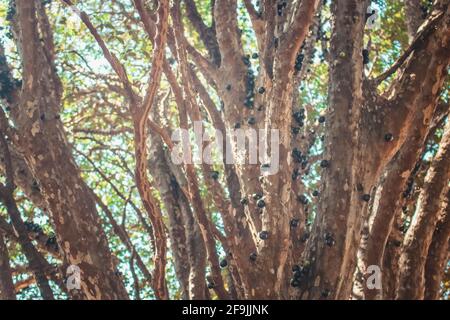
[426, 8]
[246, 60]
[299, 117]
[249, 84]
[294, 223]
[329, 239]
[365, 54]
[295, 130]
[295, 174]
[7, 84]
[280, 7]
[11, 12]
[409, 188]
[299, 273]
[299, 62]
[369, 14]
[51, 241]
[32, 227]
[403, 228]
[297, 155]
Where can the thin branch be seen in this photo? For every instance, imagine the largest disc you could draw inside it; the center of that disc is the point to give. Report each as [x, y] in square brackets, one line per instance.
[118, 68]
[420, 38]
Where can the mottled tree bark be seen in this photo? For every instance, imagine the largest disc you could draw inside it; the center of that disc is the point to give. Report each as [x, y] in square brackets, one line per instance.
[271, 109]
[438, 253]
[169, 189]
[351, 177]
[414, 17]
[386, 212]
[36, 261]
[40, 138]
[392, 251]
[24, 178]
[7, 291]
[372, 142]
[241, 243]
[419, 236]
[387, 203]
[331, 252]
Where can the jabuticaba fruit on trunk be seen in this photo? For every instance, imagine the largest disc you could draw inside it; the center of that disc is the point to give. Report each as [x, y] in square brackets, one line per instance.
[259, 150]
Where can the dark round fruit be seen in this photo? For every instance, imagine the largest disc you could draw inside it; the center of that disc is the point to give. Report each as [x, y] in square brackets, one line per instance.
[244, 201]
[388, 137]
[264, 235]
[257, 196]
[223, 263]
[295, 283]
[294, 223]
[265, 166]
[253, 256]
[251, 121]
[324, 163]
[215, 175]
[366, 57]
[302, 199]
[261, 203]
[329, 240]
[366, 197]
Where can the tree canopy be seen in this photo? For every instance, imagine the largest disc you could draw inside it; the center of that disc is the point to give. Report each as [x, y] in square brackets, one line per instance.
[94, 92]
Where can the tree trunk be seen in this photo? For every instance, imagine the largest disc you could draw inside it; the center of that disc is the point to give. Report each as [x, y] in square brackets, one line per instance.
[44, 146]
[7, 291]
[419, 236]
[438, 254]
